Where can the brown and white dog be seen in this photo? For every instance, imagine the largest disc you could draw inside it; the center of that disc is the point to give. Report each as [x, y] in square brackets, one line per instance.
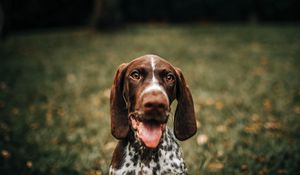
[140, 100]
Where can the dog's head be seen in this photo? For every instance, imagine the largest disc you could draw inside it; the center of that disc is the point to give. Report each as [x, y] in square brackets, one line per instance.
[141, 95]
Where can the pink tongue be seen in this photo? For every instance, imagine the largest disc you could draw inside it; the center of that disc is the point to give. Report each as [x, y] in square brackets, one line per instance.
[150, 134]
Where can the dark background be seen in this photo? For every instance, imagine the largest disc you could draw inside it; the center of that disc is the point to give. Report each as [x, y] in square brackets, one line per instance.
[28, 14]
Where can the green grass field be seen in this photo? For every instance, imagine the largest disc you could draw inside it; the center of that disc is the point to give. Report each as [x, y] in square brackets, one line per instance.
[245, 81]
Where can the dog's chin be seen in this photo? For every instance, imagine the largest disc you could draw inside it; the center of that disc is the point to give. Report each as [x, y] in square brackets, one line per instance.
[149, 132]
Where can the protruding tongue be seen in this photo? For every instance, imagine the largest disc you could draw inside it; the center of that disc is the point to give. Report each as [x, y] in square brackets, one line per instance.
[150, 133]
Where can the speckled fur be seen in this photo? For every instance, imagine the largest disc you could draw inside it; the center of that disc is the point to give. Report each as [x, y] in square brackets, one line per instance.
[136, 159]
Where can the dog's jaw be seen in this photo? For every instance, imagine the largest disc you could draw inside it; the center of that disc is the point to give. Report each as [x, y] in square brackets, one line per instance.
[148, 132]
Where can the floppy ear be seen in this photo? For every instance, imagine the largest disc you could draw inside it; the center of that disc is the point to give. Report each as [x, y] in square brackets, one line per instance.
[118, 109]
[184, 120]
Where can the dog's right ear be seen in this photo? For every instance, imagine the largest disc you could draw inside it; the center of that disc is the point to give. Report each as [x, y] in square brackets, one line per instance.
[118, 109]
[184, 119]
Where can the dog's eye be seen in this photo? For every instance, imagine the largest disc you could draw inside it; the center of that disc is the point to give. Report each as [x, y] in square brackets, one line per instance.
[170, 78]
[136, 75]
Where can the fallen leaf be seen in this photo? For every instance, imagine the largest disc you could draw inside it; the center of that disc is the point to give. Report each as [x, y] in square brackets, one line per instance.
[221, 128]
[61, 112]
[297, 110]
[198, 124]
[263, 171]
[267, 105]
[244, 168]
[100, 162]
[209, 101]
[110, 146]
[255, 117]
[94, 172]
[219, 105]
[253, 128]
[29, 164]
[197, 108]
[100, 114]
[214, 166]
[106, 93]
[34, 125]
[5, 154]
[260, 158]
[202, 139]
[273, 125]
[220, 153]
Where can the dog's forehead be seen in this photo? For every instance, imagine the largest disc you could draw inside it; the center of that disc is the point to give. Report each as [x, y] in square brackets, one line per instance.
[150, 61]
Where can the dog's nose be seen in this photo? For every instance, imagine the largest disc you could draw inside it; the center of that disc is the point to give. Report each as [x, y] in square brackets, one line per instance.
[155, 102]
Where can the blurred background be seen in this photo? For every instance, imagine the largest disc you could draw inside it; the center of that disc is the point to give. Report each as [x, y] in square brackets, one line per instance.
[29, 14]
[240, 59]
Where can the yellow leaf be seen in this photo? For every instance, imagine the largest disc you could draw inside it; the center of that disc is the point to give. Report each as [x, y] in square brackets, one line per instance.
[61, 112]
[215, 166]
[198, 124]
[219, 105]
[29, 164]
[209, 101]
[267, 105]
[274, 125]
[106, 93]
[5, 154]
[297, 110]
[202, 139]
[221, 128]
[110, 146]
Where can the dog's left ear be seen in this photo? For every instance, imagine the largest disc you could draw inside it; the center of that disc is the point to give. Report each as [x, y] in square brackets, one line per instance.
[184, 120]
[118, 109]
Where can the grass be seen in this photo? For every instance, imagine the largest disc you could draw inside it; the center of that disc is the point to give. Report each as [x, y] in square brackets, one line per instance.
[54, 93]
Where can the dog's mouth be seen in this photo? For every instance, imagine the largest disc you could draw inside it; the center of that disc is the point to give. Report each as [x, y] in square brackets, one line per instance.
[148, 131]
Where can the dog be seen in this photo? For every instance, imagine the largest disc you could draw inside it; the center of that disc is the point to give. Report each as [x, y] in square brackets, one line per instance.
[140, 100]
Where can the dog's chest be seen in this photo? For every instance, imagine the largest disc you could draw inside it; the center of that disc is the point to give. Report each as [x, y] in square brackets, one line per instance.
[167, 159]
